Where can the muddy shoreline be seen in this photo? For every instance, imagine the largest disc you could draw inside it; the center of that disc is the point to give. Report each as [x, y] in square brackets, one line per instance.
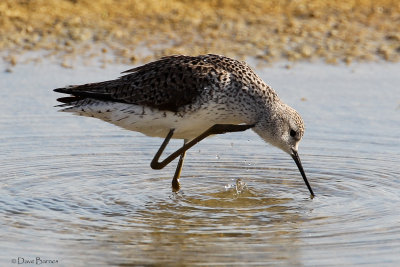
[131, 32]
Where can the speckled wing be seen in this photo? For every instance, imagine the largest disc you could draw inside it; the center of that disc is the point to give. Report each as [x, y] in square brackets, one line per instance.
[166, 84]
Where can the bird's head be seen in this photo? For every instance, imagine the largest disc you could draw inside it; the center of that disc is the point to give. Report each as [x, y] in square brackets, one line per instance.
[283, 127]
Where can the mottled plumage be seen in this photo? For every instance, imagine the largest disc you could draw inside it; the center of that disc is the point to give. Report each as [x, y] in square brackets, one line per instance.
[173, 82]
[210, 88]
[188, 95]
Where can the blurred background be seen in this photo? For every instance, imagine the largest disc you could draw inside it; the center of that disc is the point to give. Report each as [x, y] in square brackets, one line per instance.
[81, 191]
[138, 31]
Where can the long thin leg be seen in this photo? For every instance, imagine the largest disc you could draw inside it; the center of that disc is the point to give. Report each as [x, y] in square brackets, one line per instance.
[175, 180]
[154, 164]
[215, 129]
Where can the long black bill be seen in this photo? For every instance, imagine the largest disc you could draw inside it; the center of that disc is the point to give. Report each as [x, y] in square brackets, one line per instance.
[296, 158]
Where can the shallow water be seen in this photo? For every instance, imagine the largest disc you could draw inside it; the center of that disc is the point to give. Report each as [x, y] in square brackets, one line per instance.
[81, 191]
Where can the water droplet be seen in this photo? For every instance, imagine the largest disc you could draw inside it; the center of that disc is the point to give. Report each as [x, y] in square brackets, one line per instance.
[240, 186]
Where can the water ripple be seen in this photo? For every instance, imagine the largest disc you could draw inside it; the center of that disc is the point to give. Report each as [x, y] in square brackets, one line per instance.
[83, 191]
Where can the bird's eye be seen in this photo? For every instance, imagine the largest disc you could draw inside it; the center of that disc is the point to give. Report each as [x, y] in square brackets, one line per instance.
[292, 133]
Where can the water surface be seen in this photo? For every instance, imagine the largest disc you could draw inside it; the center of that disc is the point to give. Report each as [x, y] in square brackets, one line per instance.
[81, 191]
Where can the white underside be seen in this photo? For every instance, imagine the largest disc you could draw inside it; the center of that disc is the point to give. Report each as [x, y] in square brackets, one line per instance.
[154, 122]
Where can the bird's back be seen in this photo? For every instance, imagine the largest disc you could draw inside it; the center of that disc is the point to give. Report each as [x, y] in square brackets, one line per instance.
[186, 93]
[171, 82]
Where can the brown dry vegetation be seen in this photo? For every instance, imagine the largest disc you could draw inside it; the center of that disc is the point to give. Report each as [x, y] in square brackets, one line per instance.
[335, 31]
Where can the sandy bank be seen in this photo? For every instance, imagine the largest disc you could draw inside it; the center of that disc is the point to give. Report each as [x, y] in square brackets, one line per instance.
[130, 31]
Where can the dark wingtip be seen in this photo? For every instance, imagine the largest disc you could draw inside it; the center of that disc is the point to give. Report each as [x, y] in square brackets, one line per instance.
[68, 99]
[66, 90]
[61, 90]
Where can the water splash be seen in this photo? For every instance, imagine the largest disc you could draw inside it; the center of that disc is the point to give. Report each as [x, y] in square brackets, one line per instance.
[238, 188]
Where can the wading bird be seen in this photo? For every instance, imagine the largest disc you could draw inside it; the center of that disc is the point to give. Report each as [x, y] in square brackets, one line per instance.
[190, 98]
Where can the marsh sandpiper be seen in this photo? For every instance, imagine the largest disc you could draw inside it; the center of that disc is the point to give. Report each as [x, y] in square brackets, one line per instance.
[190, 98]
